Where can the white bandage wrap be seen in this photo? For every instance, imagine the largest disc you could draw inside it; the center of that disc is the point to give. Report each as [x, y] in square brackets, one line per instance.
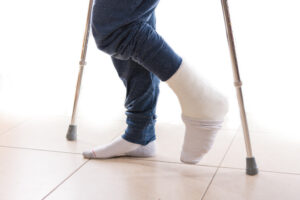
[203, 110]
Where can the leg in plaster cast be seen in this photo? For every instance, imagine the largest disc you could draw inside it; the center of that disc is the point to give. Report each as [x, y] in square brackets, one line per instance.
[203, 110]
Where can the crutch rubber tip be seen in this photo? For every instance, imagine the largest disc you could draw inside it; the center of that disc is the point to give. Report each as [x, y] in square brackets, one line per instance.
[72, 133]
[251, 166]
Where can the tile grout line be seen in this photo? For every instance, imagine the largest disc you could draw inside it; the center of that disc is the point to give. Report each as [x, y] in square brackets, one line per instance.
[274, 172]
[5, 132]
[218, 167]
[64, 180]
[131, 158]
[178, 163]
[214, 166]
[161, 161]
[27, 148]
[235, 136]
[148, 160]
[209, 184]
[170, 162]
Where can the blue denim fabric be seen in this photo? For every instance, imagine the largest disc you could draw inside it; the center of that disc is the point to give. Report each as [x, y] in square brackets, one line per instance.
[125, 29]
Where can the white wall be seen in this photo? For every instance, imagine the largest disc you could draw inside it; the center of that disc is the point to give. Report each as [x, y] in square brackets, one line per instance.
[40, 44]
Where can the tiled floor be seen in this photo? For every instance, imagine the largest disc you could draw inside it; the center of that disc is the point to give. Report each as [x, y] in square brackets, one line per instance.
[37, 162]
[8, 121]
[39, 68]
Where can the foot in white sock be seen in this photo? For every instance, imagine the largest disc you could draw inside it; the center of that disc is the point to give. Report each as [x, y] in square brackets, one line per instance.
[120, 147]
[199, 138]
[148, 150]
[203, 110]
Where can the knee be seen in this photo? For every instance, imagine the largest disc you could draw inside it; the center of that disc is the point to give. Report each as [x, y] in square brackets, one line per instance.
[115, 39]
[117, 25]
[101, 30]
[115, 35]
[111, 32]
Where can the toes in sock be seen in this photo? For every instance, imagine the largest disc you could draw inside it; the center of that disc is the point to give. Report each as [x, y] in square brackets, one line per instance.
[120, 147]
[199, 138]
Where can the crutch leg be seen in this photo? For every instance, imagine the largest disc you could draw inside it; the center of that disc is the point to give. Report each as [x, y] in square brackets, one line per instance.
[72, 131]
[251, 168]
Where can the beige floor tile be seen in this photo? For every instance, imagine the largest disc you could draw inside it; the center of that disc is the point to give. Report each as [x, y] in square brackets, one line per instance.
[50, 134]
[135, 180]
[29, 175]
[8, 121]
[170, 139]
[233, 184]
[273, 152]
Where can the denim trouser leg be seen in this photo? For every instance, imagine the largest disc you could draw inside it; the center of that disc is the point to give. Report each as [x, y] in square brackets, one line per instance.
[121, 29]
[142, 90]
[125, 29]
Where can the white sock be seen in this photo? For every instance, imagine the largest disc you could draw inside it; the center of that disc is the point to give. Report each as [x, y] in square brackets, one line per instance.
[148, 150]
[199, 138]
[203, 110]
[120, 147]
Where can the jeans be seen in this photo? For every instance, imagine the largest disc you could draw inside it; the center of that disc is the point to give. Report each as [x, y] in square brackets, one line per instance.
[125, 30]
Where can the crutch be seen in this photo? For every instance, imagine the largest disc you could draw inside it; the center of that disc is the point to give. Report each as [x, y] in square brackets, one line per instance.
[72, 131]
[251, 168]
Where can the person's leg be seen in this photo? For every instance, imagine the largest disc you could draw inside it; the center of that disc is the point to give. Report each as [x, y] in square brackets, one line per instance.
[142, 90]
[121, 30]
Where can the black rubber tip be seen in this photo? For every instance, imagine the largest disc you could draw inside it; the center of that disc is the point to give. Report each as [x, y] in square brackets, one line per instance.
[251, 166]
[72, 133]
